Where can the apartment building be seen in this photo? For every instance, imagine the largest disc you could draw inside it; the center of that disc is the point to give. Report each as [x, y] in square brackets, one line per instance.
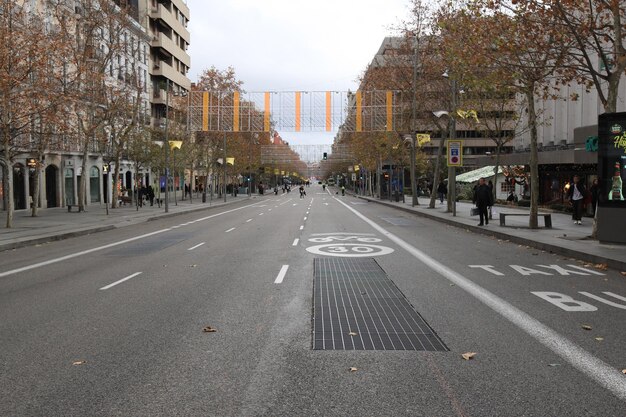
[61, 165]
[166, 23]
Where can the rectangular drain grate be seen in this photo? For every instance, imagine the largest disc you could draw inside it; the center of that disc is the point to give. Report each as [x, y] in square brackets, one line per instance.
[357, 307]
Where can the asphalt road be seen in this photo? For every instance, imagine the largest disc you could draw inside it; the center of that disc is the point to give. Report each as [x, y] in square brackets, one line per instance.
[112, 324]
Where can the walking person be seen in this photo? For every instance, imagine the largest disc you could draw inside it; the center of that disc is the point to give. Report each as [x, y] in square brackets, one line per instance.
[483, 199]
[302, 192]
[442, 190]
[576, 194]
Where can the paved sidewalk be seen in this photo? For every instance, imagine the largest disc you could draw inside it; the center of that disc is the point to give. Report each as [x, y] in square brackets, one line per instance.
[565, 238]
[57, 224]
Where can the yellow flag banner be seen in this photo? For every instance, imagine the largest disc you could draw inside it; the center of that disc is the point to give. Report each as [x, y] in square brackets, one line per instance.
[176, 144]
[230, 161]
[356, 168]
[422, 138]
[468, 114]
[276, 171]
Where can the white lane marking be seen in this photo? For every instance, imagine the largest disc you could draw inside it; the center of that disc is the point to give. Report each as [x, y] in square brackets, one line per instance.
[295, 204]
[301, 227]
[120, 281]
[275, 206]
[230, 230]
[281, 274]
[269, 209]
[305, 218]
[110, 245]
[295, 242]
[248, 221]
[260, 214]
[595, 368]
[175, 227]
[343, 233]
[197, 246]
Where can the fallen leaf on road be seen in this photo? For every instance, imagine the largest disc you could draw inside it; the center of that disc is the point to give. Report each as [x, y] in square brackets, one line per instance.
[452, 285]
[193, 266]
[587, 265]
[353, 369]
[353, 333]
[623, 273]
[586, 327]
[624, 371]
[599, 339]
[209, 329]
[79, 363]
[601, 267]
[468, 355]
[554, 364]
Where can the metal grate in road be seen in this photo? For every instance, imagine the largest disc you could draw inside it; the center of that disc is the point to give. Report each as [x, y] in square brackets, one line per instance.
[357, 307]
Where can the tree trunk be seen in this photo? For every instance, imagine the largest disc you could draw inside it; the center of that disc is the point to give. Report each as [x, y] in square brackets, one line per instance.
[82, 187]
[496, 169]
[9, 193]
[36, 196]
[534, 168]
[433, 195]
[115, 196]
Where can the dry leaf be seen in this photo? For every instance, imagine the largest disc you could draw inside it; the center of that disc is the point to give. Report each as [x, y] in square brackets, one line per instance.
[468, 355]
[586, 327]
[623, 273]
[599, 339]
[587, 265]
[353, 369]
[601, 267]
[79, 362]
[554, 364]
[209, 329]
[193, 266]
[624, 371]
[353, 333]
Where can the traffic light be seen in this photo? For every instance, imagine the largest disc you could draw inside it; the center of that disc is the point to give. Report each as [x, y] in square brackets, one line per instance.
[325, 156]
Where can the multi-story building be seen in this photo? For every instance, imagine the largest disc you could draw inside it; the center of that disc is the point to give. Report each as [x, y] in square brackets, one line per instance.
[166, 23]
[155, 54]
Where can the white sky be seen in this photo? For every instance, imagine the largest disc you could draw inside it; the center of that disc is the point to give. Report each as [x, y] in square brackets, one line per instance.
[288, 45]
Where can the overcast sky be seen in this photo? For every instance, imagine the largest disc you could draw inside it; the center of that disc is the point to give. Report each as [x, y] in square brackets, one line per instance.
[287, 45]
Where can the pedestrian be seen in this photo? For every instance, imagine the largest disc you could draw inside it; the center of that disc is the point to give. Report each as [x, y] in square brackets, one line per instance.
[576, 194]
[151, 195]
[595, 190]
[343, 190]
[490, 185]
[511, 198]
[483, 199]
[302, 192]
[442, 190]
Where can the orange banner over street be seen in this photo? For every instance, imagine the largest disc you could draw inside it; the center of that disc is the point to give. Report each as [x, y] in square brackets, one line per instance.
[298, 111]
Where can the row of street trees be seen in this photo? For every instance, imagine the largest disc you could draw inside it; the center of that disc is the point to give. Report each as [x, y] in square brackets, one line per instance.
[507, 55]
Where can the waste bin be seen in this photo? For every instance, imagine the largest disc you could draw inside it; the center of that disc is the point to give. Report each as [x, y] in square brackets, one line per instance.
[204, 197]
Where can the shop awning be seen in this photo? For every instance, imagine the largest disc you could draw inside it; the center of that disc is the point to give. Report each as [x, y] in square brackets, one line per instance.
[475, 175]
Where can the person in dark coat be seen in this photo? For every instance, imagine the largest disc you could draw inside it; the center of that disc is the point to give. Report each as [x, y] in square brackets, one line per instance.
[151, 195]
[483, 199]
[576, 194]
[442, 190]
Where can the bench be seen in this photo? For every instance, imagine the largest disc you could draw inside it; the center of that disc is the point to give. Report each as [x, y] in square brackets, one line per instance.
[547, 218]
[126, 199]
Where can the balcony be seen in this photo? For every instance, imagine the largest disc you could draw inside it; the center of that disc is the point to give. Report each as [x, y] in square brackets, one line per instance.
[160, 12]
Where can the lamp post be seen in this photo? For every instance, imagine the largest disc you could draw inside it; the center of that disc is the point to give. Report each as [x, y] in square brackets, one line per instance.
[167, 146]
[224, 163]
[414, 199]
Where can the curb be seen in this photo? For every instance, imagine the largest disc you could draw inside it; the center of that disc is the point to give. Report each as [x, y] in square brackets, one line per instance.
[87, 231]
[586, 257]
[52, 238]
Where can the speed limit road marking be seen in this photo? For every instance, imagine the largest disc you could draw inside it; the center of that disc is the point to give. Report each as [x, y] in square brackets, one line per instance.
[350, 250]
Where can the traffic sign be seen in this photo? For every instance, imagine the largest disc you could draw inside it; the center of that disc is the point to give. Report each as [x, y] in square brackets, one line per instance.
[455, 153]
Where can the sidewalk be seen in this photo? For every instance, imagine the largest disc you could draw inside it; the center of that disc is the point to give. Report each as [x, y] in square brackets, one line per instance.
[57, 224]
[564, 238]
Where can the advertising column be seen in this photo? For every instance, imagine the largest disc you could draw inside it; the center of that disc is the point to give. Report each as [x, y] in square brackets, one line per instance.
[611, 214]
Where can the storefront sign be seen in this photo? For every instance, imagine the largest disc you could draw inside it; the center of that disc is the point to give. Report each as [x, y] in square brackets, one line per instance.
[612, 159]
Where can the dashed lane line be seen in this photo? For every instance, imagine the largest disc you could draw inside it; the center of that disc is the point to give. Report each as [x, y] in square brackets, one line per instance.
[281, 274]
[230, 230]
[120, 281]
[301, 227]
[197, 246]
[295, 242]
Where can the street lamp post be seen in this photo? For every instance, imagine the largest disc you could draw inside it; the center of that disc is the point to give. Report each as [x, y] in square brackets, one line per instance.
[452, 169]
[167, 146]
[414, 199]
[224, 163]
